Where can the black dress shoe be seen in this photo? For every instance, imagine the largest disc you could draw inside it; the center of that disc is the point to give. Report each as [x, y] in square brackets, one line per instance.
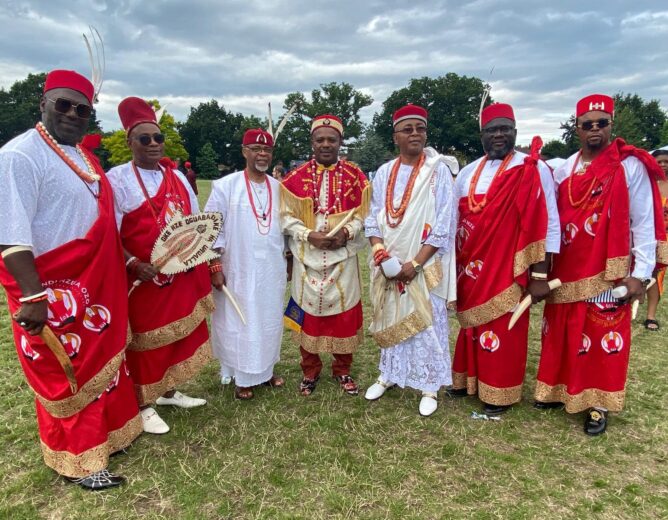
[493, 409]
[540, 405]
[595, 422]
[99, 480]
[456, 392]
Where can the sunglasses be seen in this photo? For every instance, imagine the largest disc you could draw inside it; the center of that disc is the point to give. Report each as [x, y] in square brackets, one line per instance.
[408, 130]
[63, 106]
[260, 149]
[145, 139]
[503, 129]
[589, 125]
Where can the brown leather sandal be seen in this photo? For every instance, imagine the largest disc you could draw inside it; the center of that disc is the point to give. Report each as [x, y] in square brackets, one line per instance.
[243, 393]
[275, 382]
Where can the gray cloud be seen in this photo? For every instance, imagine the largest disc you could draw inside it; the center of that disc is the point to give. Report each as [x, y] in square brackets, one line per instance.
[245, 53]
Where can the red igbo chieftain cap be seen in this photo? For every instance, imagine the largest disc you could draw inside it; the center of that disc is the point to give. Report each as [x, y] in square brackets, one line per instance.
[134, 111]
[495, 111]
[595, 102]
[187, 164]
[327, 120]
[257, 136]
[69, 79]
[409, 111]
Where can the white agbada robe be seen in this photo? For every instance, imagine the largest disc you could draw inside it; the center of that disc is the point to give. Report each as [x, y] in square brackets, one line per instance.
[255, 272]
[47, 203]
[422, 361]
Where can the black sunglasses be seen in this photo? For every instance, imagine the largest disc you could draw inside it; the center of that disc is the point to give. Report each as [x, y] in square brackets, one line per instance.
[145, 139]
[589, 125]
[503, 129]
[408, 130]
[63, 106]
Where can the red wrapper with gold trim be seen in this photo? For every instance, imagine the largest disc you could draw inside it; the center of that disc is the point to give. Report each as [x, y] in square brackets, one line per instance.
[495, 248]
[596, 238]
[170, 340]
[85, 282]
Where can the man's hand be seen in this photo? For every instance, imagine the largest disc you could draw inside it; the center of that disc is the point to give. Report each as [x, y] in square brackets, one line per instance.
[320, 240]
[339, 240]
[32, 317]
[145, 272]
[218, 280]
[407, 273]
[636, 290]
[538, 289]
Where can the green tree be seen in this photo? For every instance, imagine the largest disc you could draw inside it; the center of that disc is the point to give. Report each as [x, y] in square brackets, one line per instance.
[116, 150]
[339, 99]
[555, 148]
[210, 123]
[370, 152]
[207, 162]
[453, 103]
[664, 134]
[627, 125]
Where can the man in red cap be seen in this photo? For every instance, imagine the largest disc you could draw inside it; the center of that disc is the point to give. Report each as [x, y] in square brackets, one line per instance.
[170, 339]
[62, 270]
[411, 227]
[191, 176]
[612, 238]
[323, 203]
[508, 227]
[253, 270]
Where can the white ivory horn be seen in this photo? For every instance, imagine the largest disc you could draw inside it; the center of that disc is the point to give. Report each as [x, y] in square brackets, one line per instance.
[526, 303]
[234, 303]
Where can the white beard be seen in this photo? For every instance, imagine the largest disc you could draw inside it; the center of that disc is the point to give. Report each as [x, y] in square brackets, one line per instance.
[262, 169]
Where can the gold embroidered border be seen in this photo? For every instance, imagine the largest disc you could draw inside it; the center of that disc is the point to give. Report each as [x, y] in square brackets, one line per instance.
[94, 387]
[298, 207]
[175, 375]
[329, 344]
[618, 267]
[174, 331]
[531, 254]
[461, 380]
[94, 459]
[411, 325]
[580, 290]
[662, 252]
[433, 274]
[491, 309]
[499, 396]
[589, 398]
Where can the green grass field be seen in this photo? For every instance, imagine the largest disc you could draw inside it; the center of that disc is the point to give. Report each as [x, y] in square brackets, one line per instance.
[331, 455]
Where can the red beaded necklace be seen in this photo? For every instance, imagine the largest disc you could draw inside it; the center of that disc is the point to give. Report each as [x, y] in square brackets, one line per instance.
[578, 203]
[397, 215]
[337, 188]
[88, 177]
[475, 207]
[263, 222]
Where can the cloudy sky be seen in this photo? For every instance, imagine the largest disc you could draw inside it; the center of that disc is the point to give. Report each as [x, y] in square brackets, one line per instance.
[545, 54]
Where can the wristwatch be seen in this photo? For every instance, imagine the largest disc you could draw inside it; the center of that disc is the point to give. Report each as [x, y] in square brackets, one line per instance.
[645, 282]
[416, 266]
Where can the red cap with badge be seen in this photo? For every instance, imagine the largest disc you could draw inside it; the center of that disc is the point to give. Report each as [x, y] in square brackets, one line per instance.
[593, 102]
[327, 120]
[495, 111]
[257, 136]
[69, 79]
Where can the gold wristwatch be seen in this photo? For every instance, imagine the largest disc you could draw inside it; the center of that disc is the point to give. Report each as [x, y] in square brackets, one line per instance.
[416, 266]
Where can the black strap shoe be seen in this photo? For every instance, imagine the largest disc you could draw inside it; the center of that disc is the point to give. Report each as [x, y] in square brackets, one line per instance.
[493, 409]
[456, 392]
[98, 481]
[596, 422]
[540, 405]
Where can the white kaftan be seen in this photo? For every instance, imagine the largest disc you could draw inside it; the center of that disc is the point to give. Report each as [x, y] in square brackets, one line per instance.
[255, 273]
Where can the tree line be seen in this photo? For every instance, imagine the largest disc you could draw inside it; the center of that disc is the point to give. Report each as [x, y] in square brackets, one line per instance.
[210, 136]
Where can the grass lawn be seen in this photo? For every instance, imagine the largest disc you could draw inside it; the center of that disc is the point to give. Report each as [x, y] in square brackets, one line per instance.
[331, 455]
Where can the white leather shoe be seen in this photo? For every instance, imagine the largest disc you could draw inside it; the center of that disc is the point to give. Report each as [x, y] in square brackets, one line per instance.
[376, 390]
[428, 404]
[152, 422]
[181, 400]
[225, 380]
